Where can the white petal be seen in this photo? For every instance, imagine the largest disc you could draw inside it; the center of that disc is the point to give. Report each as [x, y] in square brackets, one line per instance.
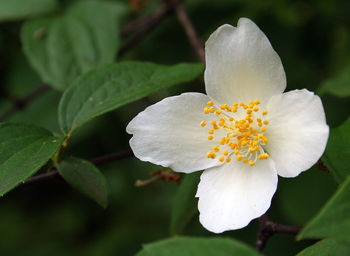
[297, 132]
[233, 194]
[168, 133]
[241, 65]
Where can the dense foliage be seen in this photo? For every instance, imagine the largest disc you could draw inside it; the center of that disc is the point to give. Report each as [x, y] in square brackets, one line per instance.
[74, 73]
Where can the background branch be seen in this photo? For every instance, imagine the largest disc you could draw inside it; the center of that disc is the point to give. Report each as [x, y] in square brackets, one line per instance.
[21, 103]
[97, 161]
[268, 228]
[191, 33]
[144, 25]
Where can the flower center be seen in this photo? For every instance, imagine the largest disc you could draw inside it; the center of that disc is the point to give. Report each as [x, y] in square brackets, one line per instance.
[244, 126]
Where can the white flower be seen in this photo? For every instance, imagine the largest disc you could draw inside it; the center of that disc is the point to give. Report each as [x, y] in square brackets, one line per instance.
[244, 133]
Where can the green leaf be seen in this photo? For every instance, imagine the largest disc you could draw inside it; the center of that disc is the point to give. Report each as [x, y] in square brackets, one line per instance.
[333, 220]
[184, 206]
[115, 85]
[339, 85]
[62, 47]
[327, 247]
[191, 246]
[19, 9]
[23, 150]
[85, 177]
[337, 153]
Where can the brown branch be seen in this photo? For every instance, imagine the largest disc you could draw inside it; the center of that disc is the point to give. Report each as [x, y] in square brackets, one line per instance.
[321, 166]
[186, 23]
[18, 104]
[163, 174]
[97, 161]
[268, 228]
[144, 25]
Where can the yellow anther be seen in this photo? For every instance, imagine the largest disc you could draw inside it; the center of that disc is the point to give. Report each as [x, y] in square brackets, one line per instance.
[224, 106]
[263, 156]
[265, 112]
[216, 148]
[210, 154]
[218, 111]
[241, 135]
[266, 122]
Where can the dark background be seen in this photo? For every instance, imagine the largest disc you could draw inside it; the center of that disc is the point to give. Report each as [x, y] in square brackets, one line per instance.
[50, 218]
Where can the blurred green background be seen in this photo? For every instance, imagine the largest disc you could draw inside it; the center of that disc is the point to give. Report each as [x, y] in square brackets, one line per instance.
[50, 218]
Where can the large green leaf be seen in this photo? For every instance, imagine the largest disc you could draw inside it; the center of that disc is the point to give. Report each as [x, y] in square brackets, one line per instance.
[23, 150]
[112, 86]
[191, 246]
[337, 153]
[339, 85]
[327, 247]
[185, 204]
[62, 47]
[85, 177]
[333, 220]
[18, 9]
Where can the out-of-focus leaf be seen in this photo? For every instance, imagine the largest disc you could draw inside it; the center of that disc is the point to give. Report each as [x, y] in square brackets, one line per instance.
[337, 153]
[298, 193]
[23, 150]
[327, 247]
[184, 204]
[339, 85]
[85, 177]
[19, 9]
[42, 111]
[62, 47]
[194, 246]
[115, 85]
[333, 220]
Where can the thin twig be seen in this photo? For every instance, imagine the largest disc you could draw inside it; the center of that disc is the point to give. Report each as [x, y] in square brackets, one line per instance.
[21, 103]
[163, 174]
[268, 228]
[144, 25]
[112, 157]
[321, 166]
[192, 35]
[97, 161]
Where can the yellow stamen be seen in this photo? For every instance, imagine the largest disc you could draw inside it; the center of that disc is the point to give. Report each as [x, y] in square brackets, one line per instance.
[243, 131]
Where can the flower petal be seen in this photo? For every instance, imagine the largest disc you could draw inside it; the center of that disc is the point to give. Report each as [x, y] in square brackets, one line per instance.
[168, 133]
[297, 132]
[233, 194]
[241, 65]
